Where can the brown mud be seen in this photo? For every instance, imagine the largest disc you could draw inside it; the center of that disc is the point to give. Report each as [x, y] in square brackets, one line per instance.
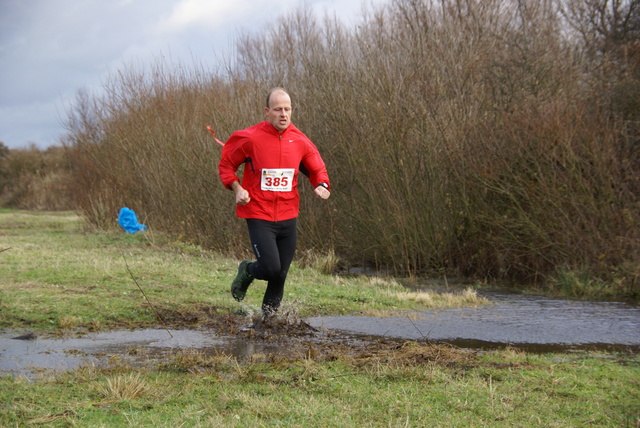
[193, 338]
[187, 339]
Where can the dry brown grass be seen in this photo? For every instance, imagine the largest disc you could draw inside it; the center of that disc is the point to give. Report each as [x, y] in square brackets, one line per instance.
[123, 387]
[68, 322]
[324, 262]
[436, 300]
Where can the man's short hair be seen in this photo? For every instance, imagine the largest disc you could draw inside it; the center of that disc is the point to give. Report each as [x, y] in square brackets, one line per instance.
[275, 90]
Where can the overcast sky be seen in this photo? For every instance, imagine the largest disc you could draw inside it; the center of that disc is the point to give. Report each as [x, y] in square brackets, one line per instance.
[49, 49]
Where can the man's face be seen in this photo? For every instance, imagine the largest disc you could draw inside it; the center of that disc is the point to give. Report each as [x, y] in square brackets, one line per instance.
[279, 111]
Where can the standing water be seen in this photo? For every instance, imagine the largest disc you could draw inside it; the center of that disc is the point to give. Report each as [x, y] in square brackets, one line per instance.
[531, 322]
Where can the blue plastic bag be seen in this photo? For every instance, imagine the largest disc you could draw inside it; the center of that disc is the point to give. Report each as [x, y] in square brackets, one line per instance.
[129, 221]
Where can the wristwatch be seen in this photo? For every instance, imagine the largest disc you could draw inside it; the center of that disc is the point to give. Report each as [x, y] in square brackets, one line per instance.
[325, 185]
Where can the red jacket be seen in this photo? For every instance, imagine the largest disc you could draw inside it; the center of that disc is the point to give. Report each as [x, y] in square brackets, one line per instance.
[272, 161]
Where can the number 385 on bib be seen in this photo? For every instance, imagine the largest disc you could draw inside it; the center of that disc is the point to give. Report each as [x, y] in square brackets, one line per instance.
[277, 179]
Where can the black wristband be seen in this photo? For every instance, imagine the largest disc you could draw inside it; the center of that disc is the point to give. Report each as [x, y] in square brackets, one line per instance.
[325, 185]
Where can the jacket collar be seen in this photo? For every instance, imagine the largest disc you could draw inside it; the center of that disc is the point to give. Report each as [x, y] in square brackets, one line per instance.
[268, 127]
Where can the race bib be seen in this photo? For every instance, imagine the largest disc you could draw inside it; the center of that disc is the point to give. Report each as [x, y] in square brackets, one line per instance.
[277, 179]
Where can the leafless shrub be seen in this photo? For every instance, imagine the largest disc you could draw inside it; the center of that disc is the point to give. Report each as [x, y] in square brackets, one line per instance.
[36, 179]
[470, 137]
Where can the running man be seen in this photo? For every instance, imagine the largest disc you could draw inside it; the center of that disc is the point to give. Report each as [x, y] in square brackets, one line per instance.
[273, 153]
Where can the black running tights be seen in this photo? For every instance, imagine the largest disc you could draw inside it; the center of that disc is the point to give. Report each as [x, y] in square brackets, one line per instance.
[274, 245]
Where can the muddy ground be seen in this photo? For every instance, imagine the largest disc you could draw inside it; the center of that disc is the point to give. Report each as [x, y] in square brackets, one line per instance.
[202, 332]
[206, 333]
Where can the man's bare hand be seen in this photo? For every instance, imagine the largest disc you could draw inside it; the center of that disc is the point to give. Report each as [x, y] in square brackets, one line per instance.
[322, 192]
[242, 196]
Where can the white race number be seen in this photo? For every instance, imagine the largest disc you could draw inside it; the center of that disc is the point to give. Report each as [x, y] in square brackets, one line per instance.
[277, 179]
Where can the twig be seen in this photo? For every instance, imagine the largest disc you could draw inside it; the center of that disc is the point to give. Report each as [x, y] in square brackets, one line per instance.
[145, 296]
[5, 249]
[416, 327]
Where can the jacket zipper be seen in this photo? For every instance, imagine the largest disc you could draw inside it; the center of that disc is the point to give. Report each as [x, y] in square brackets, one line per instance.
[275, 202]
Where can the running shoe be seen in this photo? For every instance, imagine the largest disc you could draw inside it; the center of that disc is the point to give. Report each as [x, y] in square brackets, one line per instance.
[242, 281]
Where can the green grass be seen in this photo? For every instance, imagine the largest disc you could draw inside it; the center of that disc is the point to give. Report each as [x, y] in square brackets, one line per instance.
[410, 385]
[59, 275]
[55, 268]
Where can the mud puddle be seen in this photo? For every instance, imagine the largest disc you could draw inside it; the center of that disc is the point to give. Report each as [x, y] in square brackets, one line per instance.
[532, 323]
[28, 354]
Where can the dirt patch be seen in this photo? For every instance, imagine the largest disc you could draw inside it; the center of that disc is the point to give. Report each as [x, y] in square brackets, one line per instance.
[287, 338]
[202, 316]
[225, 322]
[200, 338]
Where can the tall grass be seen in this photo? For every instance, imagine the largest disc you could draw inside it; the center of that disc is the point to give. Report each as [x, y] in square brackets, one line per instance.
[490, 138]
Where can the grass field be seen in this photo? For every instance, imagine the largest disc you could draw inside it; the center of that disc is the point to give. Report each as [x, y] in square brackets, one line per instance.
[59, 277]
